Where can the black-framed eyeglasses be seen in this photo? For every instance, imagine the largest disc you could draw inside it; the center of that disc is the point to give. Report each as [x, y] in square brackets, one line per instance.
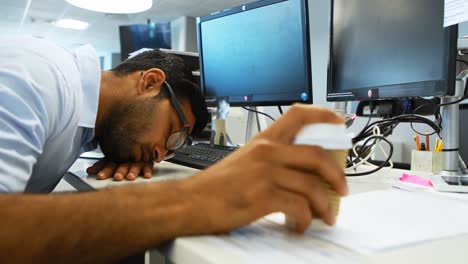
[177, 139]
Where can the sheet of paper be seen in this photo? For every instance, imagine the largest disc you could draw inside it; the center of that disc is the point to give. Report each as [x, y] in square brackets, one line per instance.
[390, 219]
[456, 11]
[368, 223]
[270, 242]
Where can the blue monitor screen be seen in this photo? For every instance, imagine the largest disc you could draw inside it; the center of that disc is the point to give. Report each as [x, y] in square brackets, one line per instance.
[257, 55]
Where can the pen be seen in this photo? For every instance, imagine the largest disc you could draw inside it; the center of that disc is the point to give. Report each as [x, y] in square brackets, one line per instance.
[423, 147]
[436, 145]
[441, 145]
[416, 141]
[428, 147]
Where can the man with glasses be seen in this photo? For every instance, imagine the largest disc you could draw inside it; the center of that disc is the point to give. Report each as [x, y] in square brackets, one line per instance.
[116, 153]
[55, 104]
[157, 69]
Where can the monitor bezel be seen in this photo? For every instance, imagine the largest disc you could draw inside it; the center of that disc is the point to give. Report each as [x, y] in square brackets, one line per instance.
[425, 88]
[306, 36]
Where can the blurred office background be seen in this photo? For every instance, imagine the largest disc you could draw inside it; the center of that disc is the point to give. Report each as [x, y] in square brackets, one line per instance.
[40, 18]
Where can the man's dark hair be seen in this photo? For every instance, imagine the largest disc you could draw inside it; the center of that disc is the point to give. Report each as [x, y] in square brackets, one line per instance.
[178, 76]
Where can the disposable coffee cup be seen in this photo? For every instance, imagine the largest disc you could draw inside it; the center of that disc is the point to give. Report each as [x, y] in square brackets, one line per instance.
[337, 142]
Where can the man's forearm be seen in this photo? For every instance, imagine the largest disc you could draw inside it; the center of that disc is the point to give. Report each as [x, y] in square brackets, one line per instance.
[92, 227]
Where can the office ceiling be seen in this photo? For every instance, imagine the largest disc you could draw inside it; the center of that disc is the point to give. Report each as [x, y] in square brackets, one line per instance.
[103, 30]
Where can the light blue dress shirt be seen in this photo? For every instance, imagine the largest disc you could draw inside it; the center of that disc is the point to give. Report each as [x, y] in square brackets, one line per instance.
[48, 105]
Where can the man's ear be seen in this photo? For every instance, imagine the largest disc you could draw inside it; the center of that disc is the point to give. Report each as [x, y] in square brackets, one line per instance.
[151, 82]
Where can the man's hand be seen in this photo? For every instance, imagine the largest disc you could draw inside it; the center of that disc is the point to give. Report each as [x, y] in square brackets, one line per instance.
[268, 175]
[105, 169]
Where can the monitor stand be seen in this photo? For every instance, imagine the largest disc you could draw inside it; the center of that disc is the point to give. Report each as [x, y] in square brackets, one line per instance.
[340, 108]
[452, 178]
[252, 122]
[221, 137]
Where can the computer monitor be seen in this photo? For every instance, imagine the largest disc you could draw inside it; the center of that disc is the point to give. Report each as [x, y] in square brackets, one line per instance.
[390, 49]
[135, 37]
[257, 54]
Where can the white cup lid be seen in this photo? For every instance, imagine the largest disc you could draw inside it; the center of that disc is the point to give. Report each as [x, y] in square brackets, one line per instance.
[327, 136]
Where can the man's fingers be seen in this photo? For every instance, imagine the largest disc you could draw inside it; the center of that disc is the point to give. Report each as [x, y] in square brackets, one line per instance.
[96, 167]
[286, 128]
[107, 171]
[317, 160]
[310, 187]
[134, 171]
[311, 159]
[121, 171]
[148, 170]
[294, 206]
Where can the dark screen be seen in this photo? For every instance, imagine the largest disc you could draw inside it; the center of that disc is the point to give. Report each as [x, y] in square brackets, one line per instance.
[397, 47]
[258, 56]
[135, 37]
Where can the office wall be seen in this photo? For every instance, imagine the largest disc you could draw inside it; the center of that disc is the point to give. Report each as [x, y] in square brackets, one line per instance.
[116, 59]
[191, 35]
[184, 34]
[319, 33]
[107, 59]
[463, 30]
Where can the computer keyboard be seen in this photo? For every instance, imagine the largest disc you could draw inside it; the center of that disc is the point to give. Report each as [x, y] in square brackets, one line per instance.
[201, 155]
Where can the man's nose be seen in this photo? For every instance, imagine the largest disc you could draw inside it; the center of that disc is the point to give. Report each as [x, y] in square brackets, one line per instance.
[160, 154]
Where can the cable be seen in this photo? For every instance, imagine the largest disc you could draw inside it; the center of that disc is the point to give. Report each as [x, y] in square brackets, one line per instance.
[364, 152]
[414, 114]
[464, 61]
[371, 106]
[462, 165]
[280, 109]
[388, 124]
[258, 112]
[381, 166]
[259, 127]
[459, 100]
[374, 132]
[374, 145]
[372, 135]
[388, 157]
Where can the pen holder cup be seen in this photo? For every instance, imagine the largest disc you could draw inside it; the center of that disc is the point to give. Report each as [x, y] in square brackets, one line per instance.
[426, 161]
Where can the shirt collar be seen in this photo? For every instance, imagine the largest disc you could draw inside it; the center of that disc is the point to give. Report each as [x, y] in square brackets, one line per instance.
[90, 75]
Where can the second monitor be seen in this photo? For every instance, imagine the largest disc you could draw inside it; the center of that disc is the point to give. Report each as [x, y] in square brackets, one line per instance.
[256, 54]
[390, 49]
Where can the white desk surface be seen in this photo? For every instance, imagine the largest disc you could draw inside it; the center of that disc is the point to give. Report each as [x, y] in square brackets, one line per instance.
[207, 249]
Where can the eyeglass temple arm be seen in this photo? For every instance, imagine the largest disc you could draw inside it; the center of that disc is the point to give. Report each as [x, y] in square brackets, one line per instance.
[176, 105]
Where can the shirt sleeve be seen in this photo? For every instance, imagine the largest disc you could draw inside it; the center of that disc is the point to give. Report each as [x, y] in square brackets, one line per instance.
[22, 133]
